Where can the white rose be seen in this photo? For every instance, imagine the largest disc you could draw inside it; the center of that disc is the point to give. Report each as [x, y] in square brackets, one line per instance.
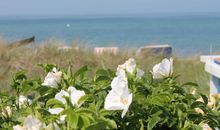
[119, 98]
[53, 78]
[75, 95]
[30, 123]
[163, 69]
[129, 65]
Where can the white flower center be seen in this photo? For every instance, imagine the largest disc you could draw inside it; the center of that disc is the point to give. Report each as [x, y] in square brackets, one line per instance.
[123, 101]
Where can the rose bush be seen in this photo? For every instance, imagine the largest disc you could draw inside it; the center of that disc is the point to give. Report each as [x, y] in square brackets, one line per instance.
[127, 98]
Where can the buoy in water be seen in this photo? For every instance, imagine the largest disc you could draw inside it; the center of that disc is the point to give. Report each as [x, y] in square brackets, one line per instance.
[67, 25]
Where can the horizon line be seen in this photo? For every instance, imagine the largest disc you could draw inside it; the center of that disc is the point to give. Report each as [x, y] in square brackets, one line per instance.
[133, 15]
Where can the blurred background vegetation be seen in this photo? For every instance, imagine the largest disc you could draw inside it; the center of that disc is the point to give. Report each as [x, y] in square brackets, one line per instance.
[189, 69]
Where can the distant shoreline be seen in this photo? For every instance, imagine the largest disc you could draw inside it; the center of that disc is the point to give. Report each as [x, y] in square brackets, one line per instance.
[91, 16]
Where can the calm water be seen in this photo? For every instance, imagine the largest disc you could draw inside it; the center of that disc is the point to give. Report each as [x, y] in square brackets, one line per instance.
[187, 35]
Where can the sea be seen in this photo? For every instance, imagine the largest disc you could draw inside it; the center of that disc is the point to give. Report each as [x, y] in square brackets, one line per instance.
[187, 34]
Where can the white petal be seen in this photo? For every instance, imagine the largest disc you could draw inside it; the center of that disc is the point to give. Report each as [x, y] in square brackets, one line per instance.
[71, 88]
[163, 69]
[206, 127]
[31, 123]
[140, 73]
[127, 106]
[24, 100]
[120, 86]
[75, 95]
[119, 83]
[112, 101]
[156, 73]
[62, 119]
[57, 76]
[50, 80]
[53, 78]
[7, 111]
[60, 96]
[54, 70]
[55, 110]
[18, 127]
[130, 65]
[171, 66]
[120, 72]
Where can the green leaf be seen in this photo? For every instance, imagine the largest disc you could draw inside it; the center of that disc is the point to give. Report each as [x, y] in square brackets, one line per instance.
[83, 121]
[190, 84]
[81, 71]
[104, 112]
[48, 67]
[205, 98]
[198, 104]
[84, 111]
[20, 75]
[159, 100]
[73, 120]
[111, 123]
[102, 72]
[142, 125]
[54, 103]
[96, 126]
[102, 78]
[85, 98]
[43, 111]
[102, 124]
[43, 90]
[69, 71]
[152, 122]
[29, 85]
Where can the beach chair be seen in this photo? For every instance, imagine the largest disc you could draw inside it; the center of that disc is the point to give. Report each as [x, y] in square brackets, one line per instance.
[212, 66]
[111, 50]
[64, 48]
[165, 50]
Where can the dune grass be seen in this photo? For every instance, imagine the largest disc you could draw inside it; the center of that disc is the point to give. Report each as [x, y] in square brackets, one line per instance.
[27, 58]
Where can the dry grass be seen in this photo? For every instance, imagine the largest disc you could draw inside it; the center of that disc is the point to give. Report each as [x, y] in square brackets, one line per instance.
[27, 58]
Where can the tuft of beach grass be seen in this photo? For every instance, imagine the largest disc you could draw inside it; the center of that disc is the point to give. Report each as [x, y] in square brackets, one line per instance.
[189, 69]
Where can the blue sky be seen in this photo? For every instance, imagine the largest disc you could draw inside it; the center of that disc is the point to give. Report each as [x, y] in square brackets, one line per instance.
[102, 7]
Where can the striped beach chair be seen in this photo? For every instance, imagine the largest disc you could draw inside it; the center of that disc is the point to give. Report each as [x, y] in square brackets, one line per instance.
[110, 50]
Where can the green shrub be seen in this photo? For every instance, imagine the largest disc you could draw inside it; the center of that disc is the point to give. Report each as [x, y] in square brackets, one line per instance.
[125, 99]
